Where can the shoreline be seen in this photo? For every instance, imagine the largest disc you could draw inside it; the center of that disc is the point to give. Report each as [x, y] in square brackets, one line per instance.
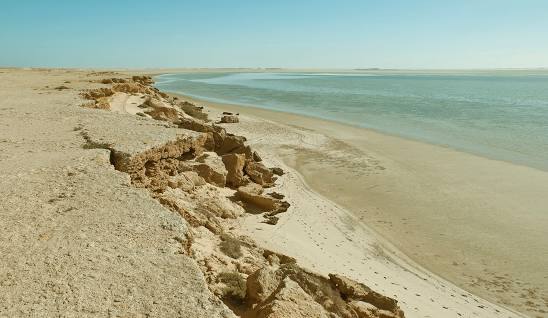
[496, 153]
[475, 281]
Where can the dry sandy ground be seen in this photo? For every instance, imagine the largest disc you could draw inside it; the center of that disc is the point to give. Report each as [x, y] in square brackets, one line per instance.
[76, 240]
[477, 222]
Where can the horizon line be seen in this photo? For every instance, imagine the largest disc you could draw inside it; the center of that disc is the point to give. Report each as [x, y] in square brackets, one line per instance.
[279, 68]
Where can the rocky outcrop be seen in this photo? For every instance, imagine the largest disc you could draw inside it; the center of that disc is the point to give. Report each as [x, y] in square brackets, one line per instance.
[291, 301]
[160, 110]
[133, 88]
[251, 194]
[259, 173]
[230, 119]
[211, 167]
[287, 290]
[193, 110]
[365, 299]
[188, 175]
[113, 80]
[277, 171]
[144, 80]
[234, 164]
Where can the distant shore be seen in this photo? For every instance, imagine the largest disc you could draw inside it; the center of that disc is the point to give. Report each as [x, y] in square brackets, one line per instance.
[449, 211]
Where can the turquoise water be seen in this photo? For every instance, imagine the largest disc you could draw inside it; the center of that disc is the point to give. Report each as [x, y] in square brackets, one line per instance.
[499, 115]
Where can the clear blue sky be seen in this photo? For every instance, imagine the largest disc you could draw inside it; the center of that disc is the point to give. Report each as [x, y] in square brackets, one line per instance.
[281, 33]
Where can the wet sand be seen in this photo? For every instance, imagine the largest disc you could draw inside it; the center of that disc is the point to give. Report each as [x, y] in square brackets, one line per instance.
[476, 222]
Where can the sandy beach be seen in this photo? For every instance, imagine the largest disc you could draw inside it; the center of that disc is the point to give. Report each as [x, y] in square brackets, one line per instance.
[479, 223]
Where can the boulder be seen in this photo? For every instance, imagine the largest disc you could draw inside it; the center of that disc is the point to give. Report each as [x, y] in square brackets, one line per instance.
[220, 206]
[177, 201]
[228, 143]
[194, 124]
[262, 283]
[251, 194]
[277, 171]
[234, 164]
[291, 301]
[363, 309]
[276, 195]
[211, 167]
[230, 119]
[195, 178]
[351, 289]
[259, 173]
[186, 181]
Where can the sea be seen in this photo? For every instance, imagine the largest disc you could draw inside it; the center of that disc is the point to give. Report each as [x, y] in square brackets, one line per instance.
[502, 115]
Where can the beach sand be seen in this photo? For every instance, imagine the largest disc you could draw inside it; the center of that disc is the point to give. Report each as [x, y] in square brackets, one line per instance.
[479, 223]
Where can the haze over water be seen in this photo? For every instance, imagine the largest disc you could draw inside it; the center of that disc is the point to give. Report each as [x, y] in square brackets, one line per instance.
[499, 115]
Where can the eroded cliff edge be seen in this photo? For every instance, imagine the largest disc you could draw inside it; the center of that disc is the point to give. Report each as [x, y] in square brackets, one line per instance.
[109, 214]
[210, 177]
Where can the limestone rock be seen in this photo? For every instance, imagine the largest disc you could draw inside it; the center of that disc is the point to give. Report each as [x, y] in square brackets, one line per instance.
[291, 301]
[180, 202]
[194, 124]
[259, 173]
[234, 164]
[276, 171]
[93, 94]
[186, 181]
[363, 309]
[230, 143]
[112, 80]
[211, 167]
[145, 80]
[133, 88]
[251, 194]
[219, 205]
[287, 290]
[194, 177]
[262, 283]
[354, 290]
[230, 119]
[193, 110]
[160, 110]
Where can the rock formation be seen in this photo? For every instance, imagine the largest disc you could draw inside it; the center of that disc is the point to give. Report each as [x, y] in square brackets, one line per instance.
[228, 119]
[235, 163]
[189, 174]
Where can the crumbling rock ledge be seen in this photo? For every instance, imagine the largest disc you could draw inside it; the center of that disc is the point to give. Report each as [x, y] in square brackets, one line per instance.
[188, 173]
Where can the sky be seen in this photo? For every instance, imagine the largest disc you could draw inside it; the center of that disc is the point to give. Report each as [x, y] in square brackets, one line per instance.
[427, 34]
